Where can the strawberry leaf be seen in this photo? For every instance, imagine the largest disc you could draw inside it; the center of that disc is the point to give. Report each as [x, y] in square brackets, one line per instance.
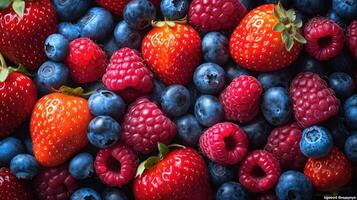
[289, 43]
[279, 27]
[163, 149]
[291, 14]
[4, 4]
[19, 7]
[4, 73]
[298, 37]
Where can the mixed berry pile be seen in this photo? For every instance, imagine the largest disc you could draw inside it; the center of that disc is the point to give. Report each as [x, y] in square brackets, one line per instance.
[178, 99]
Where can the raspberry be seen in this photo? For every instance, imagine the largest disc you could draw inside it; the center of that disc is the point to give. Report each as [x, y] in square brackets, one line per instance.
[55, 183]
[224, 143]
[351, 37]
[86, 60]
[259, 172]
[212, 15]
[127, 74]
[283, 143]
[116, 166]
[325, 38]
[313, 101]
[241, 99]
[145, 125]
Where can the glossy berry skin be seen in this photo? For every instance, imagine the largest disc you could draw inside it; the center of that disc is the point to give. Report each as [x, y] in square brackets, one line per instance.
[9, 148]
[175, 100]
[69, 30]
[105, 102]
[345, 8]
[103, 131]
[208, 110]
[144, 125]
[280, 78]
[51, 75]
[86, 60]
[313, 101]
[174, 10]
[85, 193]
[215, 48]
[259, 171]
[126, 36]
[113, 194]
[167, 49]
[158, 88]
[350, 112]
[241, 99]
[294, 183]
[24, 166]
[13, 188]
[316, 142]
[350, 147]
[116, 166]
[351, 38]
[310, 7]
[261, 52]
[276, 106]
[188, 130]
[231, 190]
[342, 83]
[64, 119]
[18, 95]
[81, 166]
[209, 78]
[139, 14]
[220, 174]
[56, 46]
[330, 172]
[224, 143]
[257, 131]
[187, 178]
[70, 10]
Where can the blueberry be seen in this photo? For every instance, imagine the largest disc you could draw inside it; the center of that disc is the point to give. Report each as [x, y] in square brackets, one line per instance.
[232, 191]
[351, 147]
[113, 194]
[174, 10]
[97, 24]
[188, 130]
[306, 63]
[220, 174]
[331, 14]
[139, 14]
[51, 75]
[316, 142]
[110, 47]
[215, 48]
[350, 111]
[105, 102]
[339, 131]
[56, 47]
[24, 166]
[175, 100]
[103, 131]
[28, 145]
[69, 30]
[350, 102]
[343, 62]
[294, 185]
[209, 78]
[126, 36]
[208, 110]
[9, 148]
[233, 70]
[157, 90]
[345, 8]
[280, 78]
[257, 131]
[84, 194]
[81, 166]
[194, 94]
[342, 84]
[276, 106]
[310, 7]
[70, 10]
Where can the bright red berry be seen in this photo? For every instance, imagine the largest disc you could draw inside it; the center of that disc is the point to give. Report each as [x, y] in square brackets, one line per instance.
[86, 60]
[351, 38]
[325, 38]
[313, 101]
[128, 75]
[12, 188]
[241, 99]
[224, 143]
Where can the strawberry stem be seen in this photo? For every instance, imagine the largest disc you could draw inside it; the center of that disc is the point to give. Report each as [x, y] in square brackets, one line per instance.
[2, 62]
[168, 22]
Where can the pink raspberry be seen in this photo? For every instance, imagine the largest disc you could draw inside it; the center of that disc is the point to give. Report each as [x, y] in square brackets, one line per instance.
[351, 38]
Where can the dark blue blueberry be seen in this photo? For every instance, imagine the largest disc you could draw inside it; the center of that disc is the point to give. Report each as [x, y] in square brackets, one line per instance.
[339, 131]
[139, 14]
[103, 131]
[69, 30]
[208, 110]
[56, 47]
[188, 130]
[307, 63]
[113, 194]
[280, 78]
[105, 102]
[81, 166]
[24, 166]
[343, 62]
[126, 36]
[316, 142]
[350, 111]
[351, 147]
[70, 10]
[9, 148]
[257, 131]
[310, 7]
[233, 70]
[84, 194]
[231, 191]
[175, 100]
[194, 94]
[51, 75]
[110, 46]
[157, 90]
[220, 174]
[345, 8]
[336, 18]
[294, 185]
[97, 24]
[215, 48]
[174, 10]
[276, 106]
[28, 145]
[209, 78]
[342, 84]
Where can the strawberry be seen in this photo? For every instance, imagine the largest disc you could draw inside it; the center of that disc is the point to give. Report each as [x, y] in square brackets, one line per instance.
[12, 188]
[59, 126]
[177, 175]
[23, 31]
[172, 51]
[268, 38]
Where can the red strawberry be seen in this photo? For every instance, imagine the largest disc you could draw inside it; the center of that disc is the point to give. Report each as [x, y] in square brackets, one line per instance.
[59, 128]
[330, 172]
[351, 38]
[172, 51]
[262, 42]
[313, 101]
[12, 188]
[241, 99]
[22, 39]
[178, 175]
[86, 60]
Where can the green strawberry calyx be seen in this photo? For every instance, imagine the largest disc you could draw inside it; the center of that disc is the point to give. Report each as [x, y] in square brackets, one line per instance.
[17, 5]
[5, 71]
[78, 91]
[169, 23]
[289, 26]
